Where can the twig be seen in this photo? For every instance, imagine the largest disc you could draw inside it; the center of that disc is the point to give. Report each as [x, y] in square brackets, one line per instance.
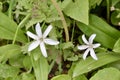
[62, 19]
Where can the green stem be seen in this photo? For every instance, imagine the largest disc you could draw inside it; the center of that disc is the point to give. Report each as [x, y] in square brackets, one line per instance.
[108, 9]
[10, 9]
[62, 19]
[20, 26]
[73, 31]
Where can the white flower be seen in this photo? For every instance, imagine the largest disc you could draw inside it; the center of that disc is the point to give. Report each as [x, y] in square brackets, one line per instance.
[112, 8]
[89, 46]
[40, 39]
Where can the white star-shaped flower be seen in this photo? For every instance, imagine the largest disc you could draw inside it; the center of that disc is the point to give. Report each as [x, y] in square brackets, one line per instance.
[89, 46]
[40, 39]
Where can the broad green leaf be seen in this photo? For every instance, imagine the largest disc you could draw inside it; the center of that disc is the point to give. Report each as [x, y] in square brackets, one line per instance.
[62, 77]
[40, 67]
[84, 66]
[107, 74]
[8, 29]
[106, 34]
[9, 51]
[117, 46]
[8, 71]
[78, 10]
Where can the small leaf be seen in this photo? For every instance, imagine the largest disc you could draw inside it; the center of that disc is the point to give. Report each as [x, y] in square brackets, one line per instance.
[81, 77]
[84, 66]
[66, 45]
[27, 63]
[107, 74]
[62, 77]
[17, 60]
[117, 46]
[78, 10]
[8, 71]
[9, 51]
[115, 18]
[94, 3]
[26, 76]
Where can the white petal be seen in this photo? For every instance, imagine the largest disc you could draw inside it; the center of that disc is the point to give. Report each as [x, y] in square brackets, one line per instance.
[92, 37]
[33, 45]
[82, 47]
[38, 30]
[43, 49]
[84, 39]
[96, 45]
[86, 53]
[93, 55]
[32, 35]
[51, 42]
[47, 31]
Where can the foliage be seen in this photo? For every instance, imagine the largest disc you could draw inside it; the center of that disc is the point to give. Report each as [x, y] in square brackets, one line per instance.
[70, 20]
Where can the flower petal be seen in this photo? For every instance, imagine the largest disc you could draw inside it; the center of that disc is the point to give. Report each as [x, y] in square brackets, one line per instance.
[43, 49]
[47, 31]
[32, 35]
[96, 45]
[82, 47]
[93, 55]
[38, 30]
[51, 42]
[33, 45]
[86, 53]
[84, 39]
[92, 38]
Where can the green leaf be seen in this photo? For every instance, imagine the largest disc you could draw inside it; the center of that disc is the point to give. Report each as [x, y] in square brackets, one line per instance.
[9, 51]
[117, 46]
[26, 76]
[27, 63]
[115, 64]
[8, 71]
[114, 2]
[8, 29]
[17, 60]
[107, 74]
[78, 10]
[40, 67]
[94, 3]
[81, 77]
[106, 34]
[115, 18]
[84, 66]
[66, 45]
[62, 77]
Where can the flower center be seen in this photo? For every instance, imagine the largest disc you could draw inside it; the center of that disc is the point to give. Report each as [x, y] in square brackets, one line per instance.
[41, 39]
[90, 45]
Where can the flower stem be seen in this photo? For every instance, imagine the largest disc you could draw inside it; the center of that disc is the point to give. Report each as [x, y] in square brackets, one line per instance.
[62, 19]
[10, 9]
[108, 9]
[73, 30]
[20, 26]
